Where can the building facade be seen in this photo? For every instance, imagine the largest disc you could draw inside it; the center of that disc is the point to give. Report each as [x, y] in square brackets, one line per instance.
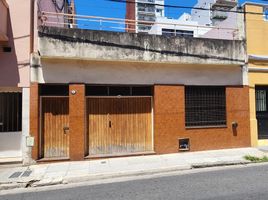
[144, 11]
[85, 94]
[256, 23]
[17, 50]
[14, 80]
[184, 26]
[208, 19]
[135, 94]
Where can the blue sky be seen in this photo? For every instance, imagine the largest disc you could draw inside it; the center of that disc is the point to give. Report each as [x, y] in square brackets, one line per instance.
[106, 8]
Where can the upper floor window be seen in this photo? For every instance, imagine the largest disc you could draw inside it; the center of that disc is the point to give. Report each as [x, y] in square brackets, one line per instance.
[261, 99]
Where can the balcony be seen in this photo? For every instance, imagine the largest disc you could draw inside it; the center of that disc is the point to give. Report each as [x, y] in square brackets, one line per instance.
[225, 3]
[55, 42]
[219, 15]
[3, 21]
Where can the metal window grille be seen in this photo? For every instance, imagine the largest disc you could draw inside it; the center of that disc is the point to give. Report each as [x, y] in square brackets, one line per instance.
[10, 111]
[205, 106]
[261, 104]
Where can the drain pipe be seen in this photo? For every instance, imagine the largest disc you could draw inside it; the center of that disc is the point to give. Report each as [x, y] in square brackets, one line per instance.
[32, 26]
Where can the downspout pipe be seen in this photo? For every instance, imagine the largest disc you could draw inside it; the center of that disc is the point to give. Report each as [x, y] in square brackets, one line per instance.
[32, 26]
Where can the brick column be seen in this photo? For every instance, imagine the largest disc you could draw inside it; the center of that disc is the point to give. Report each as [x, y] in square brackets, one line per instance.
[34, 118]
[169, 117]
[77, 121]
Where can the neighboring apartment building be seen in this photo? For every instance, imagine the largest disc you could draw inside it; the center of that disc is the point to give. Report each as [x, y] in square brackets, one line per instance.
[146, 11]
[256, 23]
[14, 79]
[208, 19]
[16, 46]
[184, 26]
[101, 94]
[212, 12]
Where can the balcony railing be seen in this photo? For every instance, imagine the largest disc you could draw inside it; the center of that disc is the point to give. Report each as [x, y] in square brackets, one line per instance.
[127, 25]
[3, 21]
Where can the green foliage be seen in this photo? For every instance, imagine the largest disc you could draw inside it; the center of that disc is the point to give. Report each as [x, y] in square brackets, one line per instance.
[256, 159]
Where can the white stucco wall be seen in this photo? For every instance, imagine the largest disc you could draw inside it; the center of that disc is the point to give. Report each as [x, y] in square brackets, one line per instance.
[98, 72]
[10, 145]
[202, 16]
[183, 23]
[26, 151]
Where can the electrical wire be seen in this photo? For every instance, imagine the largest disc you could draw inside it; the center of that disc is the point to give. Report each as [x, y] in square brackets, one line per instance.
[189, 7]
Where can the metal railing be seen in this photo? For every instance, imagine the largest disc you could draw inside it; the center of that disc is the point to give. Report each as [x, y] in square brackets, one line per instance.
[128, 25]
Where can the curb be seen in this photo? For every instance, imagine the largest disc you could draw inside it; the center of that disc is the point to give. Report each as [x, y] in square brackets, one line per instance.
[10, 186]
[219, 164]
[124, 174]
[95, 177]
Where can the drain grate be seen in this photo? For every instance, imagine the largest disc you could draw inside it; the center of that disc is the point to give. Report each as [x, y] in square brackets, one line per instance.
[15, 175]
[26, 173]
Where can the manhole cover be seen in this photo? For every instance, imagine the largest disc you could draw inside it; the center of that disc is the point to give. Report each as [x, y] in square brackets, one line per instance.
[15, 175]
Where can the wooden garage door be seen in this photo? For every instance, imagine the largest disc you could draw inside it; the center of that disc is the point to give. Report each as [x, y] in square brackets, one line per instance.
[55, 127]
[119, 126]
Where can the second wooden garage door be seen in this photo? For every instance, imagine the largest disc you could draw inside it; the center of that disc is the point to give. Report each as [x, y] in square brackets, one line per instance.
[119, 126]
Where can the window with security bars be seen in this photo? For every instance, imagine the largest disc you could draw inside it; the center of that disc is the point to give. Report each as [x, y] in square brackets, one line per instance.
[261, 103]
[205, 106]
[10, 111]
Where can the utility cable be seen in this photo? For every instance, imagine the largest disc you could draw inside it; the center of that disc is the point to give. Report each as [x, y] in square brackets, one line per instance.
[190, 7]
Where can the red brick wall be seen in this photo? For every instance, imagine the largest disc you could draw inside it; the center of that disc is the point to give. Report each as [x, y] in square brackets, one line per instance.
[77, 121]
[34, 118]
[169, 122]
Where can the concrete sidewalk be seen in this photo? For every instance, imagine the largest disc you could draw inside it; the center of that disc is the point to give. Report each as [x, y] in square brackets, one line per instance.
[70, 172]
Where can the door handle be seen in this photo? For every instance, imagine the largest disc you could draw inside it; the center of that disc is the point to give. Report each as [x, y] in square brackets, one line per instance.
[66, 128]
[1, 123]
[110, 124]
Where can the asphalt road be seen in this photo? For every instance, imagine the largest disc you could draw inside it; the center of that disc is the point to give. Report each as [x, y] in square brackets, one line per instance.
[225, 183]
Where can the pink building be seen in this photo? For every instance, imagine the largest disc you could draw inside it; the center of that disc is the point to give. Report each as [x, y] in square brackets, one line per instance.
[18, 27]
[14, 78]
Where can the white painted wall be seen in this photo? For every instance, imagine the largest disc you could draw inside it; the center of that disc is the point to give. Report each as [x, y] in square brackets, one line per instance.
[202, 16]
[183, 23]
[26, 151]
[64, 71]
[13, 144]
[10, 145]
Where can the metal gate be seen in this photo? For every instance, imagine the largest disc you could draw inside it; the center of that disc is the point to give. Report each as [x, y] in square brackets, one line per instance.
[119, 126]
[262, 111]
[54, 127]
